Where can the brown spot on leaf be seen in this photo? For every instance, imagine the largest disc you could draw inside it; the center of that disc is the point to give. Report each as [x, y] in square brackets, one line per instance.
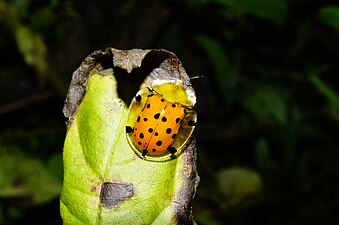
[93, 188]
[113, 194]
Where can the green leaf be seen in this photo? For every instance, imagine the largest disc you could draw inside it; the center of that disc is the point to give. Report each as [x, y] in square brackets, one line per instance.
[105, 182]
[330, 16]
[331, 96]
[22, 7]
[220, 62]
[275, 11]
[22, 176]
[42, 18]
[262, 155]
[31, 46]
[267, 104]
[55, 165]
[238, 184]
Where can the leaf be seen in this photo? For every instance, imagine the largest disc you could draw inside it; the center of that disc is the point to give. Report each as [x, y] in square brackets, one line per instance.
[54, 165]
[105, 182]
[22, 176]
[238, 184]
[43, 17]
[331, 96]
[262, 155]
[330, 16]
[219, 59]
[31, 46]
[267, 104]
[275, 11]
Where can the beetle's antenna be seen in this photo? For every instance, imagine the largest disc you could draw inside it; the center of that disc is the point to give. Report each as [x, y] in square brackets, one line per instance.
[180, 68]
[197, 77]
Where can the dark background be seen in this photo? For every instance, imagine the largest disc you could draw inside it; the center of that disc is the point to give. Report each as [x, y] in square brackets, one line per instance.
[268, 105]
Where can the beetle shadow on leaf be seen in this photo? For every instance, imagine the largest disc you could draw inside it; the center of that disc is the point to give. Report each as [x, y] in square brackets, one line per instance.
[129, 83]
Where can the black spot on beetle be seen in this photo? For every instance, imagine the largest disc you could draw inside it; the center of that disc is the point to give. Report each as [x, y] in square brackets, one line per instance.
[145, 119]
[156, 116]
[173, 136]
[156, 134]
[168, 130]
[148, 106]
[162, 100]
[150, 130]
[154, 150]
[141, 135]
[129, 129]
[138, 119]
[139, 143]
[172, 150]
[174, 105]
[159, 143]
[144, 152]
[177, 120]
[138, 98]
[164, 119]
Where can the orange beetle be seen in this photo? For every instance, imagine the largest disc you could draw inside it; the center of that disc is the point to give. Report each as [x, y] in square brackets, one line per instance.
[157, 125]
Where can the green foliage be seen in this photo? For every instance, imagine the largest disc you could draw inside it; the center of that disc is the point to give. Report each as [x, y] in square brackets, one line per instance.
[220, 62]
[262, 156]
[24, 177]
[237, 185]
[31, 47]
[330, 95]
[267, 104]
[330, 16]
[275, 11]
[43, 18]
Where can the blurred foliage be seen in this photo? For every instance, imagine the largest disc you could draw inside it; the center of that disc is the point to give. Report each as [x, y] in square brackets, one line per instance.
[268, 101]
[330, 16]
[23, 177]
